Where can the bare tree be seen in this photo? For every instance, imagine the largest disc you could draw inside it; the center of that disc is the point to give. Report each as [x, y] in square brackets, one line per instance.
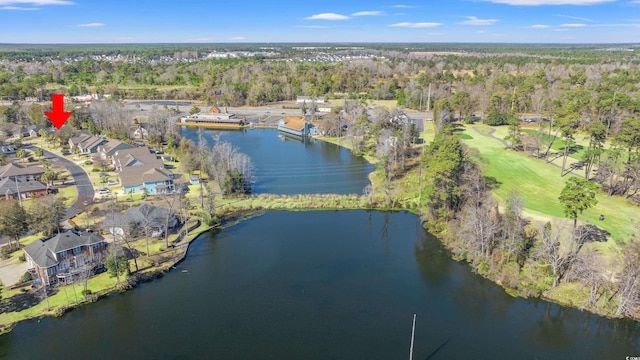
[589, 269]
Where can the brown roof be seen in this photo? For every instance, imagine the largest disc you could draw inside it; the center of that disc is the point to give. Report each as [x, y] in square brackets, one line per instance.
[294, 123]
[13, 169]
[215, 110]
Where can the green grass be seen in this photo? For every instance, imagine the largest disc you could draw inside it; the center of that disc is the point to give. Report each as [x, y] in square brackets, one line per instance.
[69, 192]
[96, 284]
[540, 185]
[576, 151]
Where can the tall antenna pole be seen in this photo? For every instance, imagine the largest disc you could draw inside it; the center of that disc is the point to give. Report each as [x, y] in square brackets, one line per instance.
[413, 332]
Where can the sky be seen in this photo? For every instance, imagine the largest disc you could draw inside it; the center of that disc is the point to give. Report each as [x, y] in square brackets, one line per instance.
[262, 21]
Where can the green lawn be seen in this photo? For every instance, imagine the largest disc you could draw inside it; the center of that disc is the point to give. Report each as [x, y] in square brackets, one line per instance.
[70, 193]
[540, 185]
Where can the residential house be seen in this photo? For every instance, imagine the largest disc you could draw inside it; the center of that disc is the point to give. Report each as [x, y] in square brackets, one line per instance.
[86, 143]
[7, 149]
[140, 171]
[23, 172]
[59, 259]
[294, 126]
[137, 156]
[145, 216]
[34, 130]
[108, 149]
[10, 188]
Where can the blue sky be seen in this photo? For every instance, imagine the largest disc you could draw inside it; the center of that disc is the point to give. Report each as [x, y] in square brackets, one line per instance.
[146, 21]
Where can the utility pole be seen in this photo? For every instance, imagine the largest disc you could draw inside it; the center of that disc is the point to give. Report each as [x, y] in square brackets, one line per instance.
[429, 98]
[18, 189]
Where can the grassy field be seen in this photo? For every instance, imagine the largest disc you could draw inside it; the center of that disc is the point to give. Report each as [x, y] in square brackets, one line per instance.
[540, 185]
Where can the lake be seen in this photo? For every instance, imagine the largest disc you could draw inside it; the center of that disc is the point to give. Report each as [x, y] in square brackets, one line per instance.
[322, 285]
[288, 165]
[319, 285]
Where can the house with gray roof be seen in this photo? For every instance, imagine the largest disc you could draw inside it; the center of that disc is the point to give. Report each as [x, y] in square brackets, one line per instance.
[59, 259]
[7, 149]
[140, 171]
[86, 143]
[10, 188]
[145, 216]
[109, 148]
[22, 172]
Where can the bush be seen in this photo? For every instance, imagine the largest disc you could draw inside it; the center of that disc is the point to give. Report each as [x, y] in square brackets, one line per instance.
[26, 277]
[88, 162]
[86, 292]
[95, 169]
[22, 258]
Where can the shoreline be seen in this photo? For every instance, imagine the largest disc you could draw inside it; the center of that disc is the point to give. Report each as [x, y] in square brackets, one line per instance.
[256, 206]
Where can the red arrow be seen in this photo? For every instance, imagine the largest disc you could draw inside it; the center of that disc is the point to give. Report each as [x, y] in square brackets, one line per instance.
[58, 116]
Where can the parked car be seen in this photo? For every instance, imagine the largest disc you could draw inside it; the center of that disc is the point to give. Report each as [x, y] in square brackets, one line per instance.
[109, 183]
[104, 191]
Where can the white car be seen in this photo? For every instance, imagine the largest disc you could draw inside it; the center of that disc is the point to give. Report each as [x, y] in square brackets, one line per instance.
[104, 192]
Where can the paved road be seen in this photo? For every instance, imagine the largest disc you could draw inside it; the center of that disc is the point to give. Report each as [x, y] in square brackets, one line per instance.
[80, 179]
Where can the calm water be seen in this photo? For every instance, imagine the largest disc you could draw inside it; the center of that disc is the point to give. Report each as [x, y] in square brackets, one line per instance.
[321, 285]
[285, 165]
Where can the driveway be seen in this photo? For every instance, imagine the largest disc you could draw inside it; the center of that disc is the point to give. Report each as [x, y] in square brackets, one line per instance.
[80, 179]
[10, 273]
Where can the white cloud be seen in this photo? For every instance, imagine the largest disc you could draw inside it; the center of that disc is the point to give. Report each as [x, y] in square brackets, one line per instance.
[548, 2]
[313, 26]
[367, 13]
[36, 2]
[90, 25]
[419, 25]
[327, 16]
[472, 20]
[539, 26]
[18, 8]
[238, 38]
[481, 31]
[573, 25]
[404, 6]
[560, 29]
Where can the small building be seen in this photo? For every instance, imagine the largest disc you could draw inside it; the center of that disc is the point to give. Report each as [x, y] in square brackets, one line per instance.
[294, 126]
[214, 120]
[58, 259]
[145, 216]
[22, 172]
[10, 188]
[34, 130]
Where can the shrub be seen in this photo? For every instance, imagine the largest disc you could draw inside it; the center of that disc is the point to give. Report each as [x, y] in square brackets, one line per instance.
[88, 162]
[25, 277]
[22, 258]
[86, 292]
[95, 169]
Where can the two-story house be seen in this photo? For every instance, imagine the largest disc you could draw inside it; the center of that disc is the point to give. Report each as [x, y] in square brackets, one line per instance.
[146, 217]
[140, 170]
[108, 149]
[58, 258]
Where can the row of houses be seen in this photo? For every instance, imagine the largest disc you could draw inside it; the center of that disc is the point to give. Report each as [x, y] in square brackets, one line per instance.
[138, 168]
[60, 259]
[22, 181]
